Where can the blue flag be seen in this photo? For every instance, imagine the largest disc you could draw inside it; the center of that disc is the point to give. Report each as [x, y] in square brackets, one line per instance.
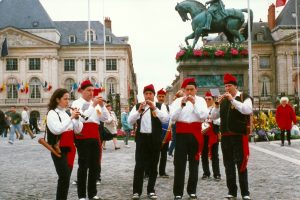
[4, 50]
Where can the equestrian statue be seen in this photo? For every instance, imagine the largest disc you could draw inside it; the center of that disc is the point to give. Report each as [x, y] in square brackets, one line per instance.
[214, 19]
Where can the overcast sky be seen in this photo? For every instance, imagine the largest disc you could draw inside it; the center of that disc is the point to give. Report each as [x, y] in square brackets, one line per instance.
[154, 28]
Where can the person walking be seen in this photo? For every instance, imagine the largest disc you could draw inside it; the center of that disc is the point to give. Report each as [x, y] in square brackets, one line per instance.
[127, 128]
[211, 143]
[188, 112]
[149, 117]
[88, 142]
[235, 109]
[25, 122]
[285, 116]
[16, 119]
[62, 127]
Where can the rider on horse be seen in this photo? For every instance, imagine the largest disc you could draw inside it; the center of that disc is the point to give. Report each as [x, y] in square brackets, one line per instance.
[216, 9]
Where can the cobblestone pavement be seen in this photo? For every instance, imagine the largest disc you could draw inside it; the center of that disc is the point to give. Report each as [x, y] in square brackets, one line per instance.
[27, 173]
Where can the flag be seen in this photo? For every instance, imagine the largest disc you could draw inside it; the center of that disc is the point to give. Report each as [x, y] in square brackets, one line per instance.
[280, 3]
[26, 88]
[4, 50]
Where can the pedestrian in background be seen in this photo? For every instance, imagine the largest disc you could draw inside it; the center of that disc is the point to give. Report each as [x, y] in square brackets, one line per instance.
[16, 119]
[127, 128]
[111, 125]
[285, 116]
[25, 122]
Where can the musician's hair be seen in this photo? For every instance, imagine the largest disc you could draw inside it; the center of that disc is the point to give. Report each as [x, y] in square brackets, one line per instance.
[57, 94]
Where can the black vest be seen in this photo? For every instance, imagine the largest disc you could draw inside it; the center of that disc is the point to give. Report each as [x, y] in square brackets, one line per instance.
[231, 119]
[156, 126]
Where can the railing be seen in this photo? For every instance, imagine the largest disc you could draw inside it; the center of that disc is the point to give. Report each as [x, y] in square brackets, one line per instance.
[23, 101]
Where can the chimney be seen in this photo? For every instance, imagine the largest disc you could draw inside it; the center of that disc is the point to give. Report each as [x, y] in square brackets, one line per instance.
[107, 23]
[271, 16]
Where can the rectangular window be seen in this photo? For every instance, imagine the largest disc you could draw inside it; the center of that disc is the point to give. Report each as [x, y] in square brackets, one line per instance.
[111, 64]
[93, 64]
[69, 65]
[11, 64]
[264, 62]
[35, 92]
[12, 91]
[34, 63]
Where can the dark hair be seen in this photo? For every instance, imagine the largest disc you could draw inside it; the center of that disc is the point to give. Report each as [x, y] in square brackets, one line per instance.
[192, 83]
[57, 94]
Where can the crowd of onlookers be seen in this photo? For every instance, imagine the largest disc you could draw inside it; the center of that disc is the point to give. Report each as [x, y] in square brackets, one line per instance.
[15, 124]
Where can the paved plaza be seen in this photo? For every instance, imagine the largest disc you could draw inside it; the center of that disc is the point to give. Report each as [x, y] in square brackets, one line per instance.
[27, 173]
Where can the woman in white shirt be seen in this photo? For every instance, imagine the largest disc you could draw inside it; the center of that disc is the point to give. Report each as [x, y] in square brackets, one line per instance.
[62, 127]
[111, 124]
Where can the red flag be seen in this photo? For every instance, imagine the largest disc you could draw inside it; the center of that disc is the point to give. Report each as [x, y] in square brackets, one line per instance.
[280, 3]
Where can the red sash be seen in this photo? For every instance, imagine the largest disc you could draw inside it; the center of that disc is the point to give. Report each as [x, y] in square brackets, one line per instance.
[67, 140]
[246, 151]
[89, 130]
[212, 139]
[195, 129]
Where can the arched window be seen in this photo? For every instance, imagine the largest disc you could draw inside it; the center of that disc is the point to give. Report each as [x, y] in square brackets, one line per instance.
[69, 85]
[35, 88]
[265, 86]
[12, 88]
[111, 85]
[92, 34]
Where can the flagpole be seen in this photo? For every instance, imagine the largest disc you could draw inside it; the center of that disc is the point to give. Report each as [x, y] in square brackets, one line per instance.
[249, 50]
[104, 43]
[89, 39]
[297, 47]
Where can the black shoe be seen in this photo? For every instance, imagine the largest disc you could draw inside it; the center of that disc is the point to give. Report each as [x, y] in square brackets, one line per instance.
[193, 196]
[135, 196]
[116, 148]
[246, 198]
[164, 175]
[177, 197]
[230, 197]
[152, 195]
[217, 178]
[205, 177]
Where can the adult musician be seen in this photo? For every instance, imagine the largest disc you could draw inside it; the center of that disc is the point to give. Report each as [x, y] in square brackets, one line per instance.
[149, 117]
[188, 112]
[88, 142]
[216, 7]
[62, 127]
[234, 109]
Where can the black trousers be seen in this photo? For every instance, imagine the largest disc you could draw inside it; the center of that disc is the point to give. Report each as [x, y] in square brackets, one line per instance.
[64, 174]
[186, 147]
[214, 158]
[88, 162]
[163, 159]
[146, 154]
[232, 149]
[288, 135]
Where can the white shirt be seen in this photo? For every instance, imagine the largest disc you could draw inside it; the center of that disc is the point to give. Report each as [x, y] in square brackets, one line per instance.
[25, 117]
[243, 107]
[57, 127]
[189, 113]
[146, 124]
[94, 114]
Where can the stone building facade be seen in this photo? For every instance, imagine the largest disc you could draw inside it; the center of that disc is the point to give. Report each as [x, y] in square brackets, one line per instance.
[44, 55]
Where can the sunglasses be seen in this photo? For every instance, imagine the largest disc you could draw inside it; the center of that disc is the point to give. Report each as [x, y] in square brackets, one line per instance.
[208, 99]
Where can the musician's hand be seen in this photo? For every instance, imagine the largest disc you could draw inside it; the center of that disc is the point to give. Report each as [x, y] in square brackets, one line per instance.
[228, 96]
[98, 100]
[142, 107]
[151, 104]
[75, 114]
[191, 99]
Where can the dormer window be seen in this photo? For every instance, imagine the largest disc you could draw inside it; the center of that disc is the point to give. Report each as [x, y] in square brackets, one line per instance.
[72, 39]
[92, 35]
[108, 39]
[260, 36]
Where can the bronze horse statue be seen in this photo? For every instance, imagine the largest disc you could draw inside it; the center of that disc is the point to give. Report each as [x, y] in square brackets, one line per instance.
[230, 25]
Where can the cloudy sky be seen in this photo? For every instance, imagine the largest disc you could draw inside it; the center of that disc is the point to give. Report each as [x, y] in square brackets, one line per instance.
[154, 28]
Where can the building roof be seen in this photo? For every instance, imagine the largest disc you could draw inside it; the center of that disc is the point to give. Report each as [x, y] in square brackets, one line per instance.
[24, 14]
[78, 29]
[285, 18]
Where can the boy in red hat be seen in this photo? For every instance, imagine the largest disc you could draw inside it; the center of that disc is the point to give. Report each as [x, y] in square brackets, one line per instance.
[149, 117]
[88, 142]
[234, 108]
[188, 112]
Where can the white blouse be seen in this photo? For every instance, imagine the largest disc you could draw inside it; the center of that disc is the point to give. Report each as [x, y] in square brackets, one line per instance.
[57, 127]
[112, 124]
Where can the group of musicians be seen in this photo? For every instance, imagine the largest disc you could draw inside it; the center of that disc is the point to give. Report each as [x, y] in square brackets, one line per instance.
[198, 123]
